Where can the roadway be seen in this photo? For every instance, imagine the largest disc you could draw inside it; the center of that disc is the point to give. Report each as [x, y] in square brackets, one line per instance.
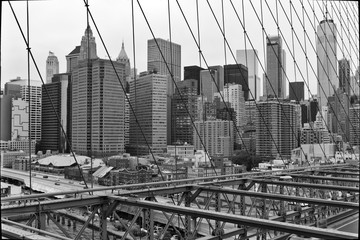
[53, 183]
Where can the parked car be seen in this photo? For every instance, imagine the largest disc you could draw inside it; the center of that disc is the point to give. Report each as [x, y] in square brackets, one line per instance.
[57, 183]
[45, 176]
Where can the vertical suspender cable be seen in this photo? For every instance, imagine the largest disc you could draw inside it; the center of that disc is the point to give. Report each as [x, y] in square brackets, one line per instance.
[29, 91]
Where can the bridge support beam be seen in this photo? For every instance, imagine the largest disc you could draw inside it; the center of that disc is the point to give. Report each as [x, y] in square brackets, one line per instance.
[187, 223]
[103, 222]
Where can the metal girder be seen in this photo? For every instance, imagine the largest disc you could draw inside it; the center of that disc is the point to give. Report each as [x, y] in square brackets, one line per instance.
[6, 222]
[7, 211]
[58, 225]
[159, 191]
[339, 172]
[284, 197]
[355, 180]
[86, 223]
[224, 236]
[236, 219]
[308, 185]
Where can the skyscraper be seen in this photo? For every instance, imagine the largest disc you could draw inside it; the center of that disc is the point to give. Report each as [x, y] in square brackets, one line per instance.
[184, 100]
[276, 133]
[97, 103]
[275, 83]
[216, 135]
[171, 61]
[52, 136]
[149, 101]
[344, 76]
[233, 94]
[326, 61]
[193, 72]
[52, 66]
[211, 82]
[247, 57]
[296, 91]
[237, 74]
[354, 114]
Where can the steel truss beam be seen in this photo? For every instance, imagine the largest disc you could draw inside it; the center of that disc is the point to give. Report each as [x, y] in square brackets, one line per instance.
[264, 195]
[8, 222]
[339, 172]
[353, 180]
[33, 207]
[307, 185]
[243, 220]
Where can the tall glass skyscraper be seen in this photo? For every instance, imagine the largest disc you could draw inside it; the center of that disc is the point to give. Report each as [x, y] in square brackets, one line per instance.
[326, 61]
[275, 83]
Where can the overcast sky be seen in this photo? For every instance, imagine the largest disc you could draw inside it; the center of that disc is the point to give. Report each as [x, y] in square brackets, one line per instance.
[58, 25]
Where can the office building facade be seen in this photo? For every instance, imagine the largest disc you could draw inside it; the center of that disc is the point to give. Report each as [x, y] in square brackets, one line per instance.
[55, 119]
[20, 94]
[184, 108]
[216, 135]
[276, 129]
[164, 57]
[149, 101]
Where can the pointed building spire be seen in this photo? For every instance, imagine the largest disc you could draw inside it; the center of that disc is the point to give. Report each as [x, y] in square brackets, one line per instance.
[88, 41]
[122, 55]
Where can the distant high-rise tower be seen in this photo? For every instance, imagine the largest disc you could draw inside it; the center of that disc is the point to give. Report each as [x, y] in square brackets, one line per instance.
[326, 61]
[237, 74]
[247, 57]
[233, 94]
[97, 103]
[172, 60]
[344, 76]
[211, 82]
[52, 66]
[275, 83]
[296, 91]
[193, 72]
[150, 106]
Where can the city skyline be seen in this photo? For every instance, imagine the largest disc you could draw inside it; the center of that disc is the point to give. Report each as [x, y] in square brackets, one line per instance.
[14, 48]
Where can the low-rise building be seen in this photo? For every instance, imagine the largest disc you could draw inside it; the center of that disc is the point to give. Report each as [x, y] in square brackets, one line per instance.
[8, 157]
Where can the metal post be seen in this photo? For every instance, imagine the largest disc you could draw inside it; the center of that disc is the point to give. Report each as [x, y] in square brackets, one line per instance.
[187, 226]
[263, 210]
[242, 206]
[149, 222]
[103, 222]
